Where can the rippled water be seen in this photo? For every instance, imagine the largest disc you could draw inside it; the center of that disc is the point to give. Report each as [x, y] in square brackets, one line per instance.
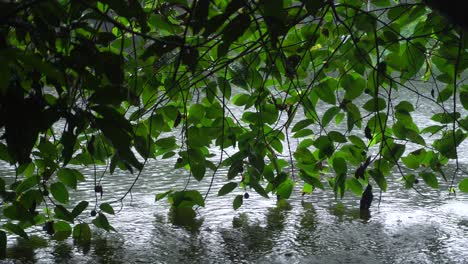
[404, 227]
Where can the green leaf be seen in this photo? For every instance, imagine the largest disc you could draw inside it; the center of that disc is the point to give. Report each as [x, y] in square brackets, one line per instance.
[224, 87]
[375, 105]
[235, 169]
[62, 213]
[355, 186]
[411, 161]
[329, 114]
[82, 233]
[414, 57]
[445, 118]
[27, 184]
[106, 208]
[410, 179]
[101, 222]
[284, 190]
[62, 230]
[59, 192]
[240, 99]
[339, 165]
[15, 229]
[70, 177]
[196, 113]
[463, 185]
[4, 155]
[259, 189]
[337, 137]
[227, 188]
[430, 179]
[432, 129]
[302, 124]
[17, 212]
[379, 178]
[326, 91]
[445, 94]
[464, 99]
[404, 106]
[160, 196]
[303, 133]
[233, 31]
[186, 199]
[313, 181]
[238, 202]
[354, 85]
[79, 208]
[447, 146]
[357, 141]
[197, 164]
[166, 143]
[313, 6]
[325, 146]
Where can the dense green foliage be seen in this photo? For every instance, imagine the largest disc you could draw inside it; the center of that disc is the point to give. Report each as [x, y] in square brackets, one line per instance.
[118, 83]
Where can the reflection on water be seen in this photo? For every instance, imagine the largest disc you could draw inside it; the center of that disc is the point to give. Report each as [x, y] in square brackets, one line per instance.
[406, 228]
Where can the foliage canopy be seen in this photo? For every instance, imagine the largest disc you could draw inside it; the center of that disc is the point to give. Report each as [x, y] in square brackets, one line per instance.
[118, 83]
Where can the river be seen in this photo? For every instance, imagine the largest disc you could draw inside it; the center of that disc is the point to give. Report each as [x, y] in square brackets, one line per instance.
[404, 226]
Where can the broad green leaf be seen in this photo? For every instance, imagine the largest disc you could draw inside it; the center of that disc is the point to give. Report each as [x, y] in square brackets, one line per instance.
[101, 222]
[59, 192]
[326, 91]
[62, 230]
[325, 146]
[337, 137]
[313, 181]
[411, 161]
[240, 99]
[106, 208]
[339, 165]
[160, 196]
[227, 188]
[302, 124]
[303, 133]
[27, 184]
[186, 199]
[284, 190]
[379, 178]
[464, 99]
[355, 186]
[233, 31]
[354, 85]
[445, 118]
[79, 208]
[449, 142]
[375, 105]
[15, 229]
[329, 114]
[463, 185]
[82, 233]
[197, 163]
[63, 213]
[166, 143]
[430, 179]
[238, 201]
[259, 189]
[313, 6]
[70, 177]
